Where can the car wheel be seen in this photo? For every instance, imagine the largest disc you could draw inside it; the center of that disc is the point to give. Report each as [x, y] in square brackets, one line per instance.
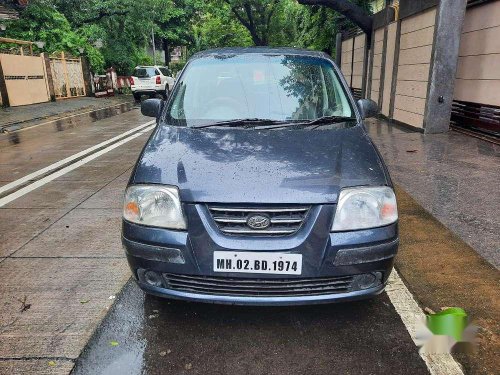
[166, 93]
[137, 97]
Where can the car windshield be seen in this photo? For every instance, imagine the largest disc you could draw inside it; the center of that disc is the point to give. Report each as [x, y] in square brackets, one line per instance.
[144, 72]
[253, 86]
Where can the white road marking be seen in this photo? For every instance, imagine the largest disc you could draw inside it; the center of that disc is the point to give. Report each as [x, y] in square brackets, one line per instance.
[411, 315]
[69, 159]
[35, 185]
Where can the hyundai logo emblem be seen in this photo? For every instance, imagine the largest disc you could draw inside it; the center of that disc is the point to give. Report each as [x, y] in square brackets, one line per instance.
[258, 221]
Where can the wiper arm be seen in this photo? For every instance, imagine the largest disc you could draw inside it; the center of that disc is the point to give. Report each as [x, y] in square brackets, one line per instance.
[326, 120]
[242, 121]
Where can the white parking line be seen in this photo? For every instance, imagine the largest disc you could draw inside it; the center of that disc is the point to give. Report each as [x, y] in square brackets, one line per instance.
[411, 315]
[35, 185]
[69, 159]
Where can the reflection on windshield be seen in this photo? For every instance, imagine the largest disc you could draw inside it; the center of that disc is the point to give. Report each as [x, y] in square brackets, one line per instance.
[280, 88]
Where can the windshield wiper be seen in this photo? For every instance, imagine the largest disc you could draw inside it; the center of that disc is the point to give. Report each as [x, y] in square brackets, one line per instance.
[325, 120]
[243, 122]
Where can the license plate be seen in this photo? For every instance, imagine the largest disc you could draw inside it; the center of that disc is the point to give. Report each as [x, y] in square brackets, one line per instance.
[258, 262]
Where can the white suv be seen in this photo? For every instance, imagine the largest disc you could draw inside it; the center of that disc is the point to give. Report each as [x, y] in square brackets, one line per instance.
[151, 80]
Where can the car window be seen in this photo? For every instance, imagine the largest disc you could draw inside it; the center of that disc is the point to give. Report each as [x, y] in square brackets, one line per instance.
[257, 86]
[164, 71]
[144, 72]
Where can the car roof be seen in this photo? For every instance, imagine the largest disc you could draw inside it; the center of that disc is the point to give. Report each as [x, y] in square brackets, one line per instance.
[259, 50]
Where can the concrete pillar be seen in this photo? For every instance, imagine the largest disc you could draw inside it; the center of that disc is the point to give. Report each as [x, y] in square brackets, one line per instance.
[395, 67]
[338, 49]
[448, 29]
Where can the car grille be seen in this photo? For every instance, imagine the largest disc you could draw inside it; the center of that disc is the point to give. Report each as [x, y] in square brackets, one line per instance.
[258, 287]
[284, 220]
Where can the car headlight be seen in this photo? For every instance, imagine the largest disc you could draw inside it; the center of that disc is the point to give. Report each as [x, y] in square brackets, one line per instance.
[365, 207]
[154, 205]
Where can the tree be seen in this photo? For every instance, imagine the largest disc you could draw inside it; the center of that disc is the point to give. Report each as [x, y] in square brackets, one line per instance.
[216, 27]
[40, 21]
[173, 20]
[350, 10]
[256, 16]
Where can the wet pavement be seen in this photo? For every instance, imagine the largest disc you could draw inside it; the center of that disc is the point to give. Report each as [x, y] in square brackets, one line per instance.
[453, 176]
[13, 135]
[149, 335]
[23, 152]
[60, 251]
[156, 336]
[61, 266]
[42, 112]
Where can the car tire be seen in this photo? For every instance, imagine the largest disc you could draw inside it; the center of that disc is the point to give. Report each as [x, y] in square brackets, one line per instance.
[137, 97]
[166, 93]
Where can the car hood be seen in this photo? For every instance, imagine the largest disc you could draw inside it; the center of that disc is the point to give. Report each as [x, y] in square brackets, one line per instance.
[234, 165]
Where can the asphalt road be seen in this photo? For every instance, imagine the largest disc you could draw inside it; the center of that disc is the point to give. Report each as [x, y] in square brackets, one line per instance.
[60, 253]
[158, 336]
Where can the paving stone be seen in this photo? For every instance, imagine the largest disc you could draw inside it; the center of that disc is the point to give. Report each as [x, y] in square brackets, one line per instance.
[36, 367]
[452, 175]
[67, 298]
[26, 113]
[96, 171]
[81, 233]
[111, 196]
[58, 194]
[18, 226]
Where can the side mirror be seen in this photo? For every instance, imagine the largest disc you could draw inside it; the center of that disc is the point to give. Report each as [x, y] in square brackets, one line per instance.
[151, 107]
[368, 108]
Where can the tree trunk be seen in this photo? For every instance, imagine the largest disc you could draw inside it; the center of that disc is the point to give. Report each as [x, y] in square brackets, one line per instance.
[351, 11]
[166, 49]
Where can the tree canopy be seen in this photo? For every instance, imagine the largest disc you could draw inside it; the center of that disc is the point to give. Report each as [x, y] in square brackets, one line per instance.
[118, 32]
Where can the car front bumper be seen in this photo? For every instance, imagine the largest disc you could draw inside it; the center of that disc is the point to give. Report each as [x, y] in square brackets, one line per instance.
[262, 301]
[325, 255]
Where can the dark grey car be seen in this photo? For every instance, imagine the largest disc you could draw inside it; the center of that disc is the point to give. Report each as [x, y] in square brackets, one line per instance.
[260, 186]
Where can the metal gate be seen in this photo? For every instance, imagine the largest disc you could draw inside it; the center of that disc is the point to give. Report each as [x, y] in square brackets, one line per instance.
[67, 75]
[476, 101]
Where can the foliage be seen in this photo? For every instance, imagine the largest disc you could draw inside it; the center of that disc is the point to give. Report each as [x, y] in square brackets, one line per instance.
[256, 16]
[176, 67]
[124, 27]
[217, 28]
[42, 22]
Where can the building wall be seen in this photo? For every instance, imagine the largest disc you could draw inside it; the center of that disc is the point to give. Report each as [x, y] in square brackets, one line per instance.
[378, 49]
[358, 61]
[415, 52]
[389, 68]
[346, 62]
[478, 72]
